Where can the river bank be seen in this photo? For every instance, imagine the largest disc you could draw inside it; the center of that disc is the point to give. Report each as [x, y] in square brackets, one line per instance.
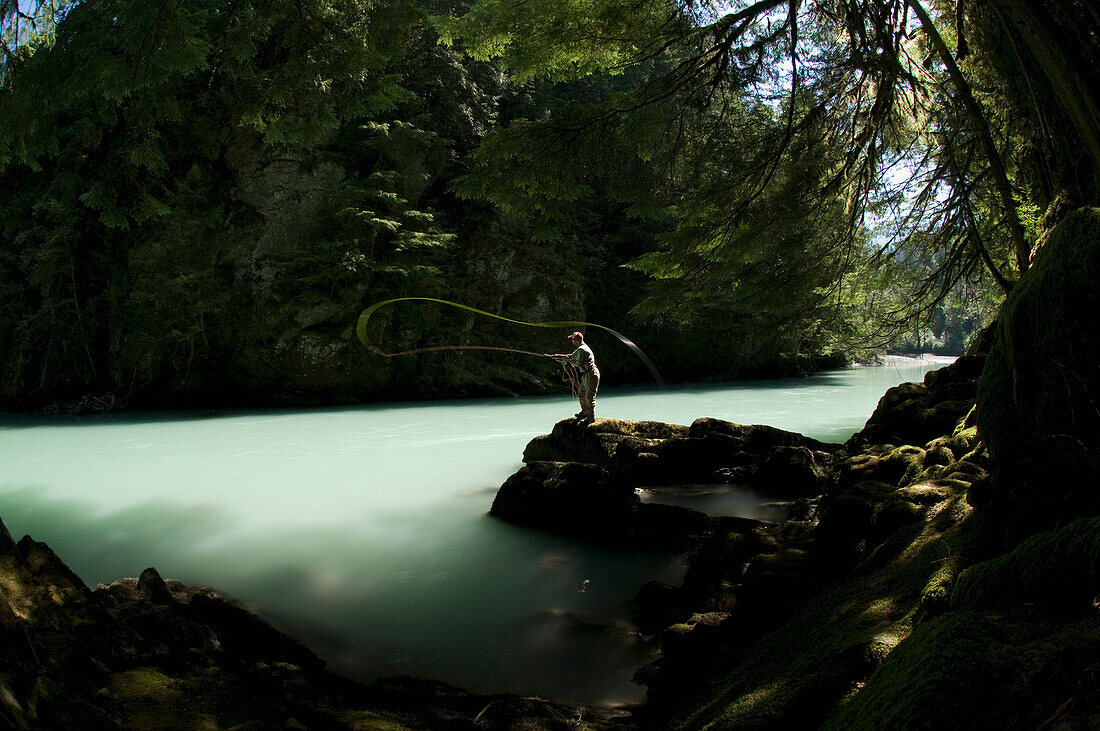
[890, 598]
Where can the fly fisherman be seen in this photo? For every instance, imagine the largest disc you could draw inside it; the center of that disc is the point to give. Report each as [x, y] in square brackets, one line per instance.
[589, 381]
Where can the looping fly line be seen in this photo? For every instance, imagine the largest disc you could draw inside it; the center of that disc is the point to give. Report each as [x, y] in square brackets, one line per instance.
[364, 318]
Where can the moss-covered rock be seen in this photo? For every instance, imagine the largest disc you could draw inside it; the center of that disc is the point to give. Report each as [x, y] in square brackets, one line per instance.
[1037, 399]
[914, 413]
[949, 673]
[792, 471]
[596, 442]
[883, 463]
[1059, 568]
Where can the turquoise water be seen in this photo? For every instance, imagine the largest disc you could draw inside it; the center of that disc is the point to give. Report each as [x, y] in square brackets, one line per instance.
[364, 530]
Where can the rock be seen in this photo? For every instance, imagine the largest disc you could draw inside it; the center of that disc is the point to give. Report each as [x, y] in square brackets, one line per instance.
[7, 543]
[711, 450]
[883, 463]
[561, 495]
[49, 568]
[595, 443]
[791, 471]
[692, 639]
[914, 413]
[721, 558]
[938, 453]
[578, 499]
[151, 587]
[657, 604]
[846, 518]
[527, 713]
[893, 515]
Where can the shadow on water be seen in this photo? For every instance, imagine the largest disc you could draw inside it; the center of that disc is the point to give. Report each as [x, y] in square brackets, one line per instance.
[491, 607]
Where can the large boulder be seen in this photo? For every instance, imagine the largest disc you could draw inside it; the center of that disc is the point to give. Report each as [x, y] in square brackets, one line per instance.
[914, 413]
[709, 451]
[580, 500]
[564, 496]
[597, 442]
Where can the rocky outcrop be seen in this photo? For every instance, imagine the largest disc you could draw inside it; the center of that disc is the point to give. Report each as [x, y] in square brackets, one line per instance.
[780, 621]
[915, 413]
[709, 451]
[581, 478]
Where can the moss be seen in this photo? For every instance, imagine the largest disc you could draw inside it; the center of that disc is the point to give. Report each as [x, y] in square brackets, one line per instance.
[893, 515]
[1036, 397]
[931, 473]
[794, 676]
[947, 674]
[936, 596]
[370, 721]
[144, 684]
[894, 465]
[152, 700]
[641, 429]
[929, 493]
[159, 718]
[1060, 568]
[963, 441]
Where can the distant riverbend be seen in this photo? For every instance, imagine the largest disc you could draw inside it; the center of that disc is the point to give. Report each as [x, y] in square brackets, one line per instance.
[364, 530]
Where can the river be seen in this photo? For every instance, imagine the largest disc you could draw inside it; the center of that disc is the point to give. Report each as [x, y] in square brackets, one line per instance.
[364, 530]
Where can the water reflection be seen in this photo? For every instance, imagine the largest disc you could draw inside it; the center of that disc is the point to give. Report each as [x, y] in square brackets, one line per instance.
[719, 500]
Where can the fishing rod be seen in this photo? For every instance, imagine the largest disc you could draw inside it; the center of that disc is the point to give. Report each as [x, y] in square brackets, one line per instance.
[364, 318]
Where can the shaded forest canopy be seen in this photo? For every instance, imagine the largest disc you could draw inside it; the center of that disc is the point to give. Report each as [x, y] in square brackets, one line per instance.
[202, 196]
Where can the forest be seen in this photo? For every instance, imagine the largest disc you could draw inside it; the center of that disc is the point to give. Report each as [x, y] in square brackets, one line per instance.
[200, 197]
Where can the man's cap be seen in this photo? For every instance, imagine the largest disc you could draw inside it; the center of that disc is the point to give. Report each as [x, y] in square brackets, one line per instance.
[577, 336]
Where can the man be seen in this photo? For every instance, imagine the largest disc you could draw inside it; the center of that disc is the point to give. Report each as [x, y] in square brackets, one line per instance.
[584, 360]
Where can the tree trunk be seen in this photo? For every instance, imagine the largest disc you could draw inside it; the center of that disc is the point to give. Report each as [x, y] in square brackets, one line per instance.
[1062, 37]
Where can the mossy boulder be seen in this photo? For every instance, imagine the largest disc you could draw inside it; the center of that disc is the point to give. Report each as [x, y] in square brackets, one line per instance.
[792, 471]
[883, 463]
[915, 413]
[1059, 569]
[949, 673]
[595, 443]
[1037, 398]
[709, 451]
